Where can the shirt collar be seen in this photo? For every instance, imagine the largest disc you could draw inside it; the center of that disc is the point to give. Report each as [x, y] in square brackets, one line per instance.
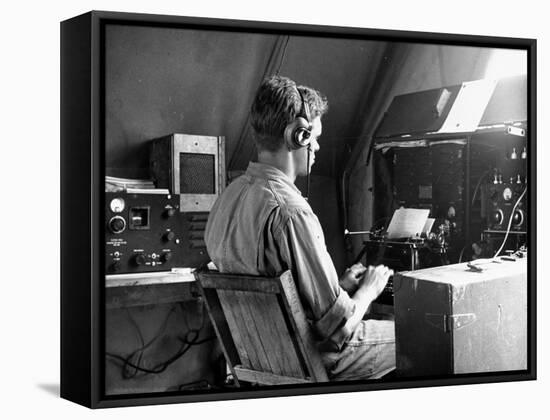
[268, 172]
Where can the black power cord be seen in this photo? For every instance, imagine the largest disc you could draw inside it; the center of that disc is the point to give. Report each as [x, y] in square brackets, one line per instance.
[187, 343]
[191, 338]
[510, 223]
[140, 351]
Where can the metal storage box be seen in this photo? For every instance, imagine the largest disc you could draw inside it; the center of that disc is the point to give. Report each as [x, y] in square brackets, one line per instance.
[452, 320]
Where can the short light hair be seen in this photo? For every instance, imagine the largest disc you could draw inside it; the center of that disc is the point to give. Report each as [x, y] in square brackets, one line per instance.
[277, 103]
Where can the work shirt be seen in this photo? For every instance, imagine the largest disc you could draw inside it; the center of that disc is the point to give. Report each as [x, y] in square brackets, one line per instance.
[261, 225]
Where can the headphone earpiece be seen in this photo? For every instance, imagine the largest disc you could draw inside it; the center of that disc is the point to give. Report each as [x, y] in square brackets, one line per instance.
[297, 134]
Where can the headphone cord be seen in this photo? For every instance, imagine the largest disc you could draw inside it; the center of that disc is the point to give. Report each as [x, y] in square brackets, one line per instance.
[510, 223]
[308, 169]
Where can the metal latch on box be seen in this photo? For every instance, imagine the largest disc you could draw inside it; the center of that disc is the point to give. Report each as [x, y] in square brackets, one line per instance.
[515, 131]
[450, 322]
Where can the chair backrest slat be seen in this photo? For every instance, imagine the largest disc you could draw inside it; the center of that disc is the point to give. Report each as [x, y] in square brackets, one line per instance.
[263, 326]
[276, 338]
[266, 333]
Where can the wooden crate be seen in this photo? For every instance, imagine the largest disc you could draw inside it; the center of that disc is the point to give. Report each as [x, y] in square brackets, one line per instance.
[452, 320]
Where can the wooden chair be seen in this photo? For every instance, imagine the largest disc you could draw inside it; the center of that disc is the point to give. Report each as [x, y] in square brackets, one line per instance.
[262, 328]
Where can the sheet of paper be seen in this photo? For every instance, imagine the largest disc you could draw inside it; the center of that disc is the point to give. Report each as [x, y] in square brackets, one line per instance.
[469, 106]
[428, 226]
[406, 223]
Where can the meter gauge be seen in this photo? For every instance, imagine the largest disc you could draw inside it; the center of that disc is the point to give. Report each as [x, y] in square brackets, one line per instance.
[507, 194]
[117, 205]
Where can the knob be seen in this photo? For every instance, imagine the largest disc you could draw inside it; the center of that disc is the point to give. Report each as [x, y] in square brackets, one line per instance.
[517, 219]
[497, 216]
[170, 212]
[115, 266]
[117, 224]
[169, 236]
[167, 256]
[139, 259]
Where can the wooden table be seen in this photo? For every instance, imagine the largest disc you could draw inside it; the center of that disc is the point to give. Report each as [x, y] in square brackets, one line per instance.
[127, 290]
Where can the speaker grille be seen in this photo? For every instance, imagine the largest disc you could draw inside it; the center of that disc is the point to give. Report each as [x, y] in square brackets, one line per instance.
[197, 173]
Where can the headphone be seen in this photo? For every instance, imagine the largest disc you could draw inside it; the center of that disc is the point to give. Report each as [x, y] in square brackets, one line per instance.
[297, 133]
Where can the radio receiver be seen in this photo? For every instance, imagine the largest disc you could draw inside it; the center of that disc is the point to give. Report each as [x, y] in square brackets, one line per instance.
[146, 232]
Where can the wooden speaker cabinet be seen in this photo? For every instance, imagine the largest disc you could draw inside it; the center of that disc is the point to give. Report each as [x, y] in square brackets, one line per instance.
[192, 166]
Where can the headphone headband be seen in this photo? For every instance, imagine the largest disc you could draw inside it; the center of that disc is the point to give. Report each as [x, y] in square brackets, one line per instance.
[297, 133]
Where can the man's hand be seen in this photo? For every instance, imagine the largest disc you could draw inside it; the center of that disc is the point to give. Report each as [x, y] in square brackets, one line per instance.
[373, 281]
[351, 278]
[365, 284]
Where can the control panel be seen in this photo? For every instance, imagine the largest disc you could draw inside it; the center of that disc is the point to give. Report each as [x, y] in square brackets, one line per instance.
[147, 232]
[501, 199]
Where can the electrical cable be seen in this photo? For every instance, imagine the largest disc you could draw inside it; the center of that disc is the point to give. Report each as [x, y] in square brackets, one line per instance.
[510, 222]
[308, 170]
[125, 372]
[159, 367]
[162, 366]
[478, 184]
[127, 363]
[144, 346]
[343, 197]
[461, 254]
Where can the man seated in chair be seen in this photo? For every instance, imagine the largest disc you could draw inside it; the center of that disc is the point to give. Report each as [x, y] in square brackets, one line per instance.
[261, 225]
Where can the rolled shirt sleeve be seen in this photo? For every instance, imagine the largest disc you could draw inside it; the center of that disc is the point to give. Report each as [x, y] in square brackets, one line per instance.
[302, 244]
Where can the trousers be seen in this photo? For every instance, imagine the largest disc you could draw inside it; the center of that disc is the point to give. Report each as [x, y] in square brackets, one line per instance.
[368, 354]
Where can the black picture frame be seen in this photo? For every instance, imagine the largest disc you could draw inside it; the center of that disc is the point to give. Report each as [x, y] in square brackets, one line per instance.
[82, 204]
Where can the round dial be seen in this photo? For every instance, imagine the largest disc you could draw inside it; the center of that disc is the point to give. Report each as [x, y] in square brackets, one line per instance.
[507, 193]
[139, 259]
[518, 218]
[117, 224]
[117, 205]
[498, 216]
